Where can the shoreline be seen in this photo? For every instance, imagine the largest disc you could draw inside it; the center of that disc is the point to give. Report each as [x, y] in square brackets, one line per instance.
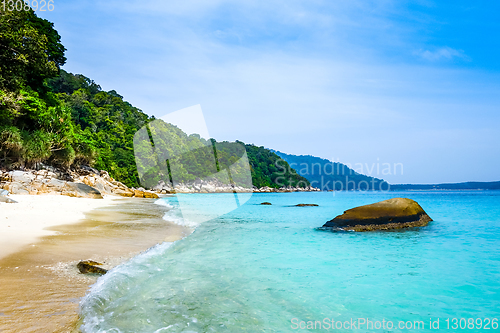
[40, 285]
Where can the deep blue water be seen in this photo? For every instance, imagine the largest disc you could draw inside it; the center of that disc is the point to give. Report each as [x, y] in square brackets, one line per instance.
[269, 269]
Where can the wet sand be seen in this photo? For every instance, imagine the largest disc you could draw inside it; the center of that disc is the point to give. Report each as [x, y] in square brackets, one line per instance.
[40, 286]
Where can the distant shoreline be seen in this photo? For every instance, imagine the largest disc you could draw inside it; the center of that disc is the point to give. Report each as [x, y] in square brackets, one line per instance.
[449, 186]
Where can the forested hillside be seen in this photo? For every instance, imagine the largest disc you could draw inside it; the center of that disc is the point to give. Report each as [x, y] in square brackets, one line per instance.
[164, 152]
[50, 116]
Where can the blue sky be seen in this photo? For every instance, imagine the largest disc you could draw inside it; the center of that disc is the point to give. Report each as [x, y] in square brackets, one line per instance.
[361, 82]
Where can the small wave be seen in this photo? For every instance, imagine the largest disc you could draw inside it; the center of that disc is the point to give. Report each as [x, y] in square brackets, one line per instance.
[104, 290]
[172, 217]
[164, 203]
[174, 214]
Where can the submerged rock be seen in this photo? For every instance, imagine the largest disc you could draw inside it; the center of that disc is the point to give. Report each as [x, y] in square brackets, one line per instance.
[394, 213]
[306, 205]
[90, 267]
[266, 203]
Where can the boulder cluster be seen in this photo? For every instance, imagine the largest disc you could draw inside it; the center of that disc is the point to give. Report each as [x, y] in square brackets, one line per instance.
[198, 186]
[83, 183]
[216, 186]
[267, 189]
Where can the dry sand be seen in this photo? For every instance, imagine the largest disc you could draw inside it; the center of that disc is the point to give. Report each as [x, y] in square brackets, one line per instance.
[40, 286]
[24, 222]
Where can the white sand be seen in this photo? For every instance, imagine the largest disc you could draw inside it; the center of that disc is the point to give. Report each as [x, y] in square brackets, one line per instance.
[22, 223]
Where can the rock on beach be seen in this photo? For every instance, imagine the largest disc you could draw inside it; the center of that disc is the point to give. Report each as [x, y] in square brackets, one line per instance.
[90, 267]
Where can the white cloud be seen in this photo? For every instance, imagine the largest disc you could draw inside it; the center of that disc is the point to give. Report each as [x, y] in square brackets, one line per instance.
[443, 53]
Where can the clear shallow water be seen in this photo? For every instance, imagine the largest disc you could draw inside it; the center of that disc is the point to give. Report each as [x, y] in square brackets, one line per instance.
[257, 268]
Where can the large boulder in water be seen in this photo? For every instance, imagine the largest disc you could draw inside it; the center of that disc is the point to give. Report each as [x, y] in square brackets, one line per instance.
[394, 213]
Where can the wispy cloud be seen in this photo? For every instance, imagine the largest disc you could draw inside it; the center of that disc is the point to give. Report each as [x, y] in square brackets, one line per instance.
[443, 53]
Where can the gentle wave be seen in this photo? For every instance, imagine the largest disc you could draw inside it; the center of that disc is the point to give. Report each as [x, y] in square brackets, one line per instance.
[163, 202]
[174, 214]
[105, 289]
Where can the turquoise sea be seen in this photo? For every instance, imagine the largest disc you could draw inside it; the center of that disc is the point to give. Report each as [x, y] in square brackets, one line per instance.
[270, 269]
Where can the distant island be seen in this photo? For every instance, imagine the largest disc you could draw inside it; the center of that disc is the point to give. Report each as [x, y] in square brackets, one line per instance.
[448, 186]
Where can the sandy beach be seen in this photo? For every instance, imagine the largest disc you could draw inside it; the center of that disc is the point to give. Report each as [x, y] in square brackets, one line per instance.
[24, 222]
[42, 238]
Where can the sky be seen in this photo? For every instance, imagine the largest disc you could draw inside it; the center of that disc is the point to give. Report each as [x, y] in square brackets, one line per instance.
[367, 83]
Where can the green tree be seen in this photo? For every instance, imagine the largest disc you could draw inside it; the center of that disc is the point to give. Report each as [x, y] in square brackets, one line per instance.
[30, 50]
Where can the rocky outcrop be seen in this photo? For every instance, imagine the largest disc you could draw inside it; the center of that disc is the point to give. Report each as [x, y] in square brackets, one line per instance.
[101, 181]
[306, 205]
[216, 186]
[50, 180]
[45, 182]
[267, 189]
[90, 267]
[163, 188]
[394, 213]
[85, 182]
[80, 190]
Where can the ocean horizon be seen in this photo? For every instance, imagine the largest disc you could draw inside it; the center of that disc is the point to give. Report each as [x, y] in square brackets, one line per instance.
[271, 268]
